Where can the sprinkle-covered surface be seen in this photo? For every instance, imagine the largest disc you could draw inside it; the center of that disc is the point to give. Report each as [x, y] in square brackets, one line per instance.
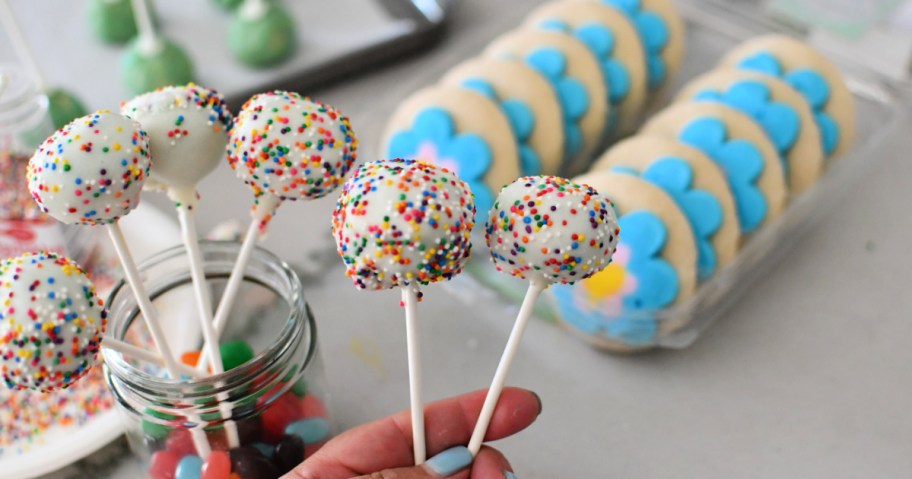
[400, 222]
[92, 170]
[51, 322]
[188, 131]
[291, 146]
[550, 230]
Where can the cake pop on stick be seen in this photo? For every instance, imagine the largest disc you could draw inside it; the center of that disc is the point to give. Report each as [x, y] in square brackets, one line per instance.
[63, 106]
[188, 131]
[91, 172]
[151, 60]
[285, 147]
[261, 33]
[546, 230]
[404, 223]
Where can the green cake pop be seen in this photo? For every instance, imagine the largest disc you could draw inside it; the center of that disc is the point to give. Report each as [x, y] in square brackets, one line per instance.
[111, 21]
[261, 34]
[64, 107]
[153, 61]
[229, 5]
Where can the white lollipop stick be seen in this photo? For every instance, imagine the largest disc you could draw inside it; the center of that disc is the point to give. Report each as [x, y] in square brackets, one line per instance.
[150, 315]
[19, 44]
[148, 37]
[204, 308]
[266, 206]
[500, 375]
[141, 354]
[410, 299]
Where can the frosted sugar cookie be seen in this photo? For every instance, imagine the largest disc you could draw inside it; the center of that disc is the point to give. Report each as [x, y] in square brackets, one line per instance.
[527, 100]
[778, 108]
[813, 75]
[654, 267]
[737, 144]
[461, 130]
[662, 32]
[696, 184]
[613, 39]
[575, 76]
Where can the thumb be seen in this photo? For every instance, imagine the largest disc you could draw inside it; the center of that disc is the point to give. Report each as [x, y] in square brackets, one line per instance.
[454, 463]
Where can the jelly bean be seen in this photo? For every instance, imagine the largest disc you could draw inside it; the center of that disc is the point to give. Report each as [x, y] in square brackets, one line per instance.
[300, 388]
[310, 430]
[312, 406]
[289, 452]
[235, 353]
[163, 464]
[180, 442]
[250, 464]
[155, 429]
[265, 449]
[216, 466]
[189, 467]
[284, 410]
[249, 429]
[190, 358]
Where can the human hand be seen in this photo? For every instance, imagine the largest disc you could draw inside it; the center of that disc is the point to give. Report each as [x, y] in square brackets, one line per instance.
[383, 449]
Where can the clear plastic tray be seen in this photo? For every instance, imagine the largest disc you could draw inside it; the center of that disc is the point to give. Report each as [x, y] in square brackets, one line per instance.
[713, 28]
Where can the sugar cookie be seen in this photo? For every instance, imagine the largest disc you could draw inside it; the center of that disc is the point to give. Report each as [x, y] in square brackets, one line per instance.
[528, 101]
[813, 75]
[736, 143]
[461, 130]
[613, 39]
[653, 268]
[576, 77]
[697, 185]
[778, 108]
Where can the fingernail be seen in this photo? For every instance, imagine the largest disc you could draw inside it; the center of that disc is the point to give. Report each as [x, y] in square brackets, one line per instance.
[509, 475]
[450, 461]
[537, 398]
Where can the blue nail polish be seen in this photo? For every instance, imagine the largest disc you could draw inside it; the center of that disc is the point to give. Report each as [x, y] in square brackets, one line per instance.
[509, 475]
[450, 461]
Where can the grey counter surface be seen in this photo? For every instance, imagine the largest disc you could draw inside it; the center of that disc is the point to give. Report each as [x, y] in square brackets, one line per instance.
[809, 375]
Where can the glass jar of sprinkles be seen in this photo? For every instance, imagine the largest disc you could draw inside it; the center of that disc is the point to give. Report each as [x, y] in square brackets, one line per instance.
[271, 397]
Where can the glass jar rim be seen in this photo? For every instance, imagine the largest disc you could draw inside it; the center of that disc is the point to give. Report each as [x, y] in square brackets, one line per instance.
[138, 379]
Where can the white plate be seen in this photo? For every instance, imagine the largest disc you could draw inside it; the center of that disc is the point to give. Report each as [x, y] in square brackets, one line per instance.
[147, 231]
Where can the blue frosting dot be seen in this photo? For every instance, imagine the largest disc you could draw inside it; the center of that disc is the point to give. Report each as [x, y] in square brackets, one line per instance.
[522, 122]
[467, 153]
[571, 93]
[741, 162]
[812, 86]
[654, 34]
[779, 121]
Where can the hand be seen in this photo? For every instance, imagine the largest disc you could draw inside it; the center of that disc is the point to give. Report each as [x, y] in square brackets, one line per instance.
[383, 449]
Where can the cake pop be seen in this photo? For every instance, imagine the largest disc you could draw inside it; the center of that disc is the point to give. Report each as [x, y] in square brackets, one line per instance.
[112, 21]
[152, 61]
[404, 223]
[51, 322]
[261, 33]
[544, 229]
[286, 147]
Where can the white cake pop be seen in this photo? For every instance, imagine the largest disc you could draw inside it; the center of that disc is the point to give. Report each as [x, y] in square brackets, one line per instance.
[51, 322]
[550, 230]
[399, 222]
[92, 170]
[188, 131]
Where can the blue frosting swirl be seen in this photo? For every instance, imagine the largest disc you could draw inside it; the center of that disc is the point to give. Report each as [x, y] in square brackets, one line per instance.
[739, 159]
[522, 121]
[811, 84]
[434, 133]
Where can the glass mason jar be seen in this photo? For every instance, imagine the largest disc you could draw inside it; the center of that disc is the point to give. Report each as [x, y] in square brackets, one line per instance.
[274, 401]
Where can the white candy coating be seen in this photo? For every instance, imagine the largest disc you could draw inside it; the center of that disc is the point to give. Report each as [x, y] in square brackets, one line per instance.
[51, 322]
[548, 229]
[188, 131]
[92, 170]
